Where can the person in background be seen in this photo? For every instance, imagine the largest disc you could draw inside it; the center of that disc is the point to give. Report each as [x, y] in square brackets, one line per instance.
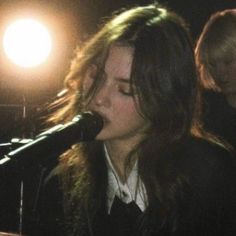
[151, 170]
[216, 60]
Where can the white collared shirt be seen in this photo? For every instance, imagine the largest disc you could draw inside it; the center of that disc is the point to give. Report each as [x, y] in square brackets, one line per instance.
[132, 190]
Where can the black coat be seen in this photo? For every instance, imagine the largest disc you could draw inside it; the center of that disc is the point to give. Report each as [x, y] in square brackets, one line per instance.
[219, 117]
[205, 202]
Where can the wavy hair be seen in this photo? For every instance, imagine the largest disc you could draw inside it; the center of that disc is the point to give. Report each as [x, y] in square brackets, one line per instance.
[164, 74]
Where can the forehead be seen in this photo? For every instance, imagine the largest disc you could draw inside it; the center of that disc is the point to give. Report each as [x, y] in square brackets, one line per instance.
[119, 61]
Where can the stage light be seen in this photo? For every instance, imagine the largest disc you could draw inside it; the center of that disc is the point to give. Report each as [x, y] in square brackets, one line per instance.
[27, 43]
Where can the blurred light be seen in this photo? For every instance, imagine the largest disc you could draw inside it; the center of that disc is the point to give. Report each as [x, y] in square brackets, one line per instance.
[27, 43]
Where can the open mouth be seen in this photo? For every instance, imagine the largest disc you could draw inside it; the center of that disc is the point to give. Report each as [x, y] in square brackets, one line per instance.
[105, 119]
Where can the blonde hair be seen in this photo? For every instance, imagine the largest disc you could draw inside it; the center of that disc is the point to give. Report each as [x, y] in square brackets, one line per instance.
[216, 44]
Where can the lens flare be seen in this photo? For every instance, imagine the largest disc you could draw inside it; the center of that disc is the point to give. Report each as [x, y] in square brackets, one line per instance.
[27, 43]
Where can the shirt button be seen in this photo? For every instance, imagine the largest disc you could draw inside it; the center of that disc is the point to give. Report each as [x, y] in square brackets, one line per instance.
[124, 194]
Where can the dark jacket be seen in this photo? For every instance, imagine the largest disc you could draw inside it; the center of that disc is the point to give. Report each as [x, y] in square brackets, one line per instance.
[219, 117]
[203, 183]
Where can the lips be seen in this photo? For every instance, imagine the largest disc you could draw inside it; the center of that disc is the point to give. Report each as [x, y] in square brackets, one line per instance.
[104, 117]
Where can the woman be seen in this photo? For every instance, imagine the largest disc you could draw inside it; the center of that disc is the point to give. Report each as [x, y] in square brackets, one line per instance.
[151, 169]
[216, 59]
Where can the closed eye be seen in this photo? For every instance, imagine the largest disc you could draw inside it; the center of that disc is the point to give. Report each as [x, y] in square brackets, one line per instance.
[124, 87]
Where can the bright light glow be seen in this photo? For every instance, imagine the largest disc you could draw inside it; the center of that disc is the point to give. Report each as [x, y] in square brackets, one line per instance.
[27, 43]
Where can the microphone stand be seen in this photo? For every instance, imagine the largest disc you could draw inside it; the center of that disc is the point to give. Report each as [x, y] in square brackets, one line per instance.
[21, 204]
[12, 170]
[15, 168]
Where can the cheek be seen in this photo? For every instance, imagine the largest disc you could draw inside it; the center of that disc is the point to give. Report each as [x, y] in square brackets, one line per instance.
[128, 111]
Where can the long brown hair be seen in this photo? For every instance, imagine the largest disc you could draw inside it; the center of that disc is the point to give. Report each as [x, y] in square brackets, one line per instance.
[164, 75]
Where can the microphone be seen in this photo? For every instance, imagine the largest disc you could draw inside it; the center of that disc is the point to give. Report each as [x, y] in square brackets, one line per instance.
[83, 127]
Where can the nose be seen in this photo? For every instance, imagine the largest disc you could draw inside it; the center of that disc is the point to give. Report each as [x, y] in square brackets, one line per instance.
[102, 96]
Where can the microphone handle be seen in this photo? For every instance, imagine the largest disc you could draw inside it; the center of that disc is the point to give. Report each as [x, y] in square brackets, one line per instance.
[57, 139]
[40, 148]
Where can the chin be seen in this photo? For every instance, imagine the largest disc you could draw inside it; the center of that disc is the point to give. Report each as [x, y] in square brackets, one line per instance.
[101, 136]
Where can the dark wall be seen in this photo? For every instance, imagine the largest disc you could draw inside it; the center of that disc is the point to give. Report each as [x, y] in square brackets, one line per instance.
[74, 21]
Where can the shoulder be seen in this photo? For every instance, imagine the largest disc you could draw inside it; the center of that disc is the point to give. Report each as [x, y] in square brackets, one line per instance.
[205, 163]
[204, 184]
[201, 150]
[200, 162]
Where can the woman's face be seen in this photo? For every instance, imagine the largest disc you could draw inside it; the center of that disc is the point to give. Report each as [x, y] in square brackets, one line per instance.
[225, 77]
[114, 100]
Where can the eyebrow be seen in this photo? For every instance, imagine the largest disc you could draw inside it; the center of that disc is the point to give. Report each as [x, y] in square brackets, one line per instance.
[119, 79]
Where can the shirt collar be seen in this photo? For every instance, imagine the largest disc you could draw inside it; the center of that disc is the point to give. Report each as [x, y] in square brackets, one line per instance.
[132, 190]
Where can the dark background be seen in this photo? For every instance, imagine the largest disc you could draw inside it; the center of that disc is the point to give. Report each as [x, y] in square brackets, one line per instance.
[70, 23]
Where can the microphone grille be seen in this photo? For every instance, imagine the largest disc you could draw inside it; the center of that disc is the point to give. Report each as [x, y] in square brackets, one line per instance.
[91, 122]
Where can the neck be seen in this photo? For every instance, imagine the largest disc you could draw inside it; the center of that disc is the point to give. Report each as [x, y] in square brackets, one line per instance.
[119, 152]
